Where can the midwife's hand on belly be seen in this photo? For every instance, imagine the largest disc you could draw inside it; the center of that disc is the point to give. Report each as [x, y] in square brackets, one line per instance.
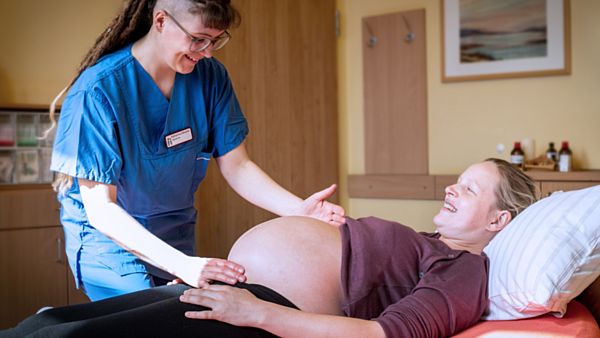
[227, 304]
[198, 271]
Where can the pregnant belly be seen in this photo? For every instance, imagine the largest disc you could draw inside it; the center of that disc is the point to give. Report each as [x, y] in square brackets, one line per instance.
[298, 257]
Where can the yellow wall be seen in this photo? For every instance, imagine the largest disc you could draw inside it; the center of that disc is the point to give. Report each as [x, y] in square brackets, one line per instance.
[42, 42]
[468, 119]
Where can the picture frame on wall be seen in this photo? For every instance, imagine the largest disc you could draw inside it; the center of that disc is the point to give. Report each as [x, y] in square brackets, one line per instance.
[490, 39]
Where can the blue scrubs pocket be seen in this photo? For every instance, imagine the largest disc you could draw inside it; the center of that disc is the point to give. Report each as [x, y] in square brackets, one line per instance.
[157, 186]
[122, 262]
[201, 166]
[113, 256]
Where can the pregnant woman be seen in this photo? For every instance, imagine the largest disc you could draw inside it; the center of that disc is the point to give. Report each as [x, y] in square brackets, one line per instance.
[369, 278]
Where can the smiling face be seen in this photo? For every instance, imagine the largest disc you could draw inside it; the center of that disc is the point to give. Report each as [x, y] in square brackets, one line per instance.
[469, 216]
[175, 41]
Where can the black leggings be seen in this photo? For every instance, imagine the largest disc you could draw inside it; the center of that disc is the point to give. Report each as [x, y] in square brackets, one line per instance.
[155, 312]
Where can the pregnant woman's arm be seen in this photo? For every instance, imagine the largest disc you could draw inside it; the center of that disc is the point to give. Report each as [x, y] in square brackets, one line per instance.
[239, 307]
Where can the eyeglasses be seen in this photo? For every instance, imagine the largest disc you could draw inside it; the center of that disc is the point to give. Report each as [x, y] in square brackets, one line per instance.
[200, 44]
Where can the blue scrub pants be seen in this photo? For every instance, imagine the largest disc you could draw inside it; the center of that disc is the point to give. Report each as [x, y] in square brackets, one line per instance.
[99, 281]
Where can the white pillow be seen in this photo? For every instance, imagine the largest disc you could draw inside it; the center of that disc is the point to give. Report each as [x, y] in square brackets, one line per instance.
[546, 256]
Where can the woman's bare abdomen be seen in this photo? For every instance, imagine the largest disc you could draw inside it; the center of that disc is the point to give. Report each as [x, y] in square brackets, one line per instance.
[299, 257]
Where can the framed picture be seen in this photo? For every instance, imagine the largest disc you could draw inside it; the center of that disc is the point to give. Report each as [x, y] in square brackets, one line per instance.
[489, 39]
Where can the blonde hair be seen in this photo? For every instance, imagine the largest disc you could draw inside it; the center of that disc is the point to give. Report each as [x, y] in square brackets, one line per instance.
[515, 191]
[131, 24]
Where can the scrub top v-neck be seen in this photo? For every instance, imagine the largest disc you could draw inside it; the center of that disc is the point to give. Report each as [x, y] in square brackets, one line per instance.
[116, 127]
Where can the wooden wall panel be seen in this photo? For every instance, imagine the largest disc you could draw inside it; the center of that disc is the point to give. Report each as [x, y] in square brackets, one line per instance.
[418, 187]
[549, 187]
[395, 94]
[433, 186]
[28, 206]
[33, 267]
[441, 182]
[282, 64]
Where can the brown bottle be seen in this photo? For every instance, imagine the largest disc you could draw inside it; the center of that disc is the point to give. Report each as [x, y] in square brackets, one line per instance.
[517, 156]
[551, 153]
[565, 158]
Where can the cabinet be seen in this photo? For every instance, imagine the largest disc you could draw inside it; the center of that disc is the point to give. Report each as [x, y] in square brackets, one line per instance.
[24, 153]
[551, 181]
[33, 267]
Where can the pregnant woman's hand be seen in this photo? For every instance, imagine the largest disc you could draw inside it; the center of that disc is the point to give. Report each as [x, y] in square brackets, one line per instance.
[225, 303]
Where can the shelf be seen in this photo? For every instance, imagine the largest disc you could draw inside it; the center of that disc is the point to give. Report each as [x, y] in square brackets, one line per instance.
[399, 186]
[431, 187]
[38, 108]
[25, 186]
[579, 175]
[24, 156]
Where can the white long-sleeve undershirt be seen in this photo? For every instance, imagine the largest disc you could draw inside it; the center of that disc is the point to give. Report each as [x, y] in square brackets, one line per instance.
[114, 222]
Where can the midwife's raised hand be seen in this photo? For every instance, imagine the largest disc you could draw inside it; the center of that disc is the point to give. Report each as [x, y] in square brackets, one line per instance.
[317, 207]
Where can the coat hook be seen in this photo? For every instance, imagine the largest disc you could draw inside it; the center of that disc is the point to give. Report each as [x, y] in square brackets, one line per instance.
[410, 36]
[372, 38]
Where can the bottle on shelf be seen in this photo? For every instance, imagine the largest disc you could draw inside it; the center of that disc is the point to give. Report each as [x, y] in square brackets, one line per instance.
[565, 158]
[517, 156]
[528, 147]
[552, 154]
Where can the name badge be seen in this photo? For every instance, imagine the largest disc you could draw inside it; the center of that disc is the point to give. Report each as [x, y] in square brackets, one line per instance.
[179, 137]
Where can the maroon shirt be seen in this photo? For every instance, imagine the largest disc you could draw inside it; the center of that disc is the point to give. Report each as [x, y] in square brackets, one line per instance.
[412, 283]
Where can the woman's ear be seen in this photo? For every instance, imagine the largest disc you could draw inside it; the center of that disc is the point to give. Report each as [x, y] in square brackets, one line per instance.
[502, 218]
[159, 21]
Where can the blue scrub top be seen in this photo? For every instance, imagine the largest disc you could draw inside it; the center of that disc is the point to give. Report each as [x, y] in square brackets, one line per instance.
[113, 128]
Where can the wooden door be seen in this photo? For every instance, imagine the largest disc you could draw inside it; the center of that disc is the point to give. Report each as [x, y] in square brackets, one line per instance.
[33, 272]
[282, 64]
